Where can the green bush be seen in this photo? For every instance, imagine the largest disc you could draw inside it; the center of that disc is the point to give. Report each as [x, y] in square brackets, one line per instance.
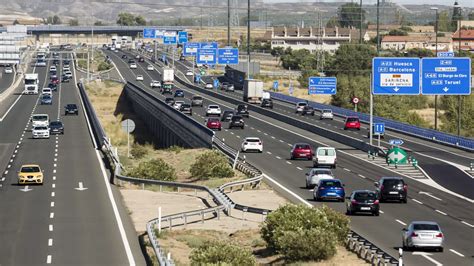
[138, 151]
[221, 253]
[292, 227]
[104, 66]
[211, 164]
[156, 169]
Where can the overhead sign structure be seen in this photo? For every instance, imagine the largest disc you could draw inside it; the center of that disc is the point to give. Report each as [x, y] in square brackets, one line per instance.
[379, 128]
[182, 37]
[169, 37]
[446, 76]
[190, 48]
[396, 156]
[228, 56]
[322, 85]
[149, 33]
[160, 33]
[395, 76]
[395, 142]
[445, 54]
[206, 56]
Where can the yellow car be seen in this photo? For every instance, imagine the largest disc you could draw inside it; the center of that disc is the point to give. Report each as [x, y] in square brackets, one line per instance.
[30, 173]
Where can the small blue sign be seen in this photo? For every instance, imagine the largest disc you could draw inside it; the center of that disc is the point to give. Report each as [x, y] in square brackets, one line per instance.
[395, 76]
[446, 76]
[208, 45]
[275, 85]
[206, 56]
[190, 48]
[149, 33]
[163, 57]
[379, 128]
[197, 79]
[290, 90]
[395, 142]
[445, 54]
[169, 38]
[182, 37]
[228, 56]
[322, 85]
[216, 83]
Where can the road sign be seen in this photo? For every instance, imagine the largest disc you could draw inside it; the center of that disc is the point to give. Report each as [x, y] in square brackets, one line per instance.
[445, 54]
[446, 76]
[275, 85]
[190, 48]
[197, 79]
[396, 76]
[169, 37]
[216, 83]
[182, 37]
[228, 56]
[379, 128]
[395, 142]
[128, 125]
[208, 45]
[355, 100]
[322, 85]
[159, 34]
[396, 156]
[163, 58]
[149, 33]
[206, 56]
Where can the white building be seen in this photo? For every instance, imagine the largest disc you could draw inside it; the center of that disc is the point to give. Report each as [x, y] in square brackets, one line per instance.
[428, 41]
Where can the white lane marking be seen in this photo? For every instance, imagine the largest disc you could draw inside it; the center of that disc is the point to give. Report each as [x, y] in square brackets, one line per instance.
[232, 133]
[400, 222]
[278, 157]
[50, 242]
[55, 159]
[299, 168]
[429, 195]
[52, 203]
[266, 134]
[468, 224]
[51, 215]
[273, 137]
[11, 107]
[252, 128]
[54, 177]
[281, 141]
[51, 228]
[6, 172]
[417, 201]
[258, 130]
[269, 152]
[457, 253]
[54, 171]
[427, 256]
[443, 213]
[287, 190]
[49, 259]
[53, 194]
[361, 176]
[381, 211]
[55, 165]
[348, 170]
[238, 136]
[53, 185]
[288, 162]
[289, 144]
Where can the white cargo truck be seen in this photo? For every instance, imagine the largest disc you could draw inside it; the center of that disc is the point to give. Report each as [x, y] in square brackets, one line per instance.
[168, 78]
[253, 91]
[31, 84]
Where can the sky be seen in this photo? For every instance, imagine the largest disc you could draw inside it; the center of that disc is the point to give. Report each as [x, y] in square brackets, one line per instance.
[464, 3]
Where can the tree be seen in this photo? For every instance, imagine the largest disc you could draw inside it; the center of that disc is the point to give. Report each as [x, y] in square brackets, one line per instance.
[349, 15]
[140, 21]
[450, 117]
[397, 32]
[99, 23]
[54, 20]
[126, 19]
[16, 22]
[457, 16]
[352, 59]
[470, 16]
[332, 22]
[443, 21]
[73, 22]
[277, 51]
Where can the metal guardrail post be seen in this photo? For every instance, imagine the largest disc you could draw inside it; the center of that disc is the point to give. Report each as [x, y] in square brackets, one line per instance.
[472, 166]
[202, 217]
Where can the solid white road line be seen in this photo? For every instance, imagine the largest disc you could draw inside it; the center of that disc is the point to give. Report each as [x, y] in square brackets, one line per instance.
[49, 259]
[443, 213]
[361, 176]
[287, 190]
[288, 162]
[417, 201]
[457, 253]
[348, 170]
[50, 242]
[468, 224]
[429, 195]
[400, 222]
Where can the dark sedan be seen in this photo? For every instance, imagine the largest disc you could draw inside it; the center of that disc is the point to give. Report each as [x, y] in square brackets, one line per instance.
[227, 115]
[267, 103]
[363, 201]
[56, 127]
[308, 110]
[179, 93]
[71, 109]
[186, 109]
[237, 121]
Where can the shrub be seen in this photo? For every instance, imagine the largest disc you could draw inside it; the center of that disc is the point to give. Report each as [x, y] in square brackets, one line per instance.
[138, 151]
[211, 164]
[156, 169]
[289, 224]
[221, 253]
[104, 66]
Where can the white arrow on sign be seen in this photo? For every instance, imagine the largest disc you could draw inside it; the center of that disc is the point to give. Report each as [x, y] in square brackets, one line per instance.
[396, 89]
[427, 256]
[333, 90]
[81, 187]
[396, 156]
[446, 89]
[26, 189]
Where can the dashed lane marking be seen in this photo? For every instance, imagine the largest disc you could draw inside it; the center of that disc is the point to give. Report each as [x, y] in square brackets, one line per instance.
[400, 222]
[299, 168]
[457, 253]
[443, 213]
[417, 201]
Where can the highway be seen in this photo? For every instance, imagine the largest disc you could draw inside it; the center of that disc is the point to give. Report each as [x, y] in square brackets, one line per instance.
[453, 214]
[5, 79]
[58, 222]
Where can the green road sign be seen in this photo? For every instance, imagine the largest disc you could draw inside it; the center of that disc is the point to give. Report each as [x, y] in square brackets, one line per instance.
[396, 155]
[203, 72]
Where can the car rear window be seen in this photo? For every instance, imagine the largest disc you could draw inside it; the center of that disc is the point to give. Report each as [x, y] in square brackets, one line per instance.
[197, 98]
[30, 169]
[241, 107]
[56, 124]
[331, 183]
[213, 107]
[302, 104]
[430, 227]
[236, 117]
[327, 111]
[40, 128]
[352, 119]
[365, 196]
[327, 152]
[393, 182]
[322, 172]
[40, 118]
[252, 140]
[302, 146]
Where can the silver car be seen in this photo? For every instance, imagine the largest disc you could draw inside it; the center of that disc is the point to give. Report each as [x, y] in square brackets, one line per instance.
[316, 174]
[423, 234]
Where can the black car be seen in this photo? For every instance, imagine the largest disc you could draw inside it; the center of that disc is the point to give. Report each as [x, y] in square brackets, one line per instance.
[224, 85]
[56, 127]
[53, 87]
[227, 115]
[392, 188]
[363, 201]
[131, 61]
[65, 79]
[141, 59]
[179, 93]
[71, 108]
[267, 103]
[242, 110]
[166, 89]
[186, 109]
[55, 62]
[124, 56]
[237, 121]
[308, 110]
[66, 62]
[169, 101]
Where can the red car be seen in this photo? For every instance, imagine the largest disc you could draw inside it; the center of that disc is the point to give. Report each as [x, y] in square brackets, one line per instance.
[55, 80]
[302, 150]
[352, 122]
[214, 123]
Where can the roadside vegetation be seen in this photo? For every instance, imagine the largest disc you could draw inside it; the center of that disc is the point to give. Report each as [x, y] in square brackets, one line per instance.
[99, 64]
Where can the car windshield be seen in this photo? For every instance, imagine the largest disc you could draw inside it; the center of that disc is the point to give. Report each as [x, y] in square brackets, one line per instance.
[30, 81]
[46, 97]
[331, 183]
[213, 107]
[321, 172]
[393, 182]
[302, 104]
[30, 169]
[71, 106]
[40, 117]
[352, 119]
[236, 118]
[40, 128]
[241, 107]
[429, 227]
[186, 106]
[302, 146]
[56, 124]
[365, 196]
[326, 152]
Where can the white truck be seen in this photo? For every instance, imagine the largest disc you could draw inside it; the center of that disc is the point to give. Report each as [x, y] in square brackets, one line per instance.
[253, 91]
[168, 78]
[31, 84]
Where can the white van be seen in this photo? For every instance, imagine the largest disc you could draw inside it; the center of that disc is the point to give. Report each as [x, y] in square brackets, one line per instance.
[47, 91]
[325, 156]
[39, 120]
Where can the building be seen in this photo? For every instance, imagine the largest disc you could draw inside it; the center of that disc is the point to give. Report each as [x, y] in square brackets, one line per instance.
[428, 41]
[466, 39]
[313, 39]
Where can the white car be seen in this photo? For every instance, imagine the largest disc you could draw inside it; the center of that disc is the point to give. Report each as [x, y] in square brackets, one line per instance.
[139, 78]
[66, 68]
[252, 144]
[155, 84]
[46, 91]
[177, 104]
[8, 70]
[423, 234]
[68, 74]
[326, 114]
[133, 66]
[209, 86]
[300, 106]
[137, 57]
[150, 68]
[213, 110]
[189, 73]
[325, 156]
[52, 69]
[316, 175]
[40, 132]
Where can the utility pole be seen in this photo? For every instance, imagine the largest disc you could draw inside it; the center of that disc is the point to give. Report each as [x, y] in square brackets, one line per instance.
[459, 97]
[378, 28]
[436, 54]
[228, 22]
[248, 39]
[360, 25]
[371, 131]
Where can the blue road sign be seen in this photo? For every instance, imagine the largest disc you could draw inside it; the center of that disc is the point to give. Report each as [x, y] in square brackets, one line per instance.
[206, 56]
[291, 90]
[321, 85]
[228, 56]
[216, 83]
[197, 79]
[275, 85]
[208, 45]
[169, 37]
[182, 37]
[379, 128]
[396, 76]
[445, 54]
[149, 33]
[163, 57]
[446, 76]
[190, 48]
[395, 142]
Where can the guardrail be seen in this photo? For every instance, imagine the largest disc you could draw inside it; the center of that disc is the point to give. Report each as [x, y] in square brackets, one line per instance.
[368, 251]
[99, 133]
[425, 133]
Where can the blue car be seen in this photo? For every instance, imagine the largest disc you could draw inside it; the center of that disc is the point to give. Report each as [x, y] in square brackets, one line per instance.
[46, 99]
[179, 93]
[329, 189]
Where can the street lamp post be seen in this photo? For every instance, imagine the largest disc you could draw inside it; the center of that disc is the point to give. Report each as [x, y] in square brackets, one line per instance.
[436, 54]
[360, 25]
[248, 39]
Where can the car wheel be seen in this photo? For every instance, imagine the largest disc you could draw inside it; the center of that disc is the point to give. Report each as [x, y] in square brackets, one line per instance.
[376, 213]
[348, 212]
[312, 114]
[405, 200]
[440, 249]
[345, 128]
